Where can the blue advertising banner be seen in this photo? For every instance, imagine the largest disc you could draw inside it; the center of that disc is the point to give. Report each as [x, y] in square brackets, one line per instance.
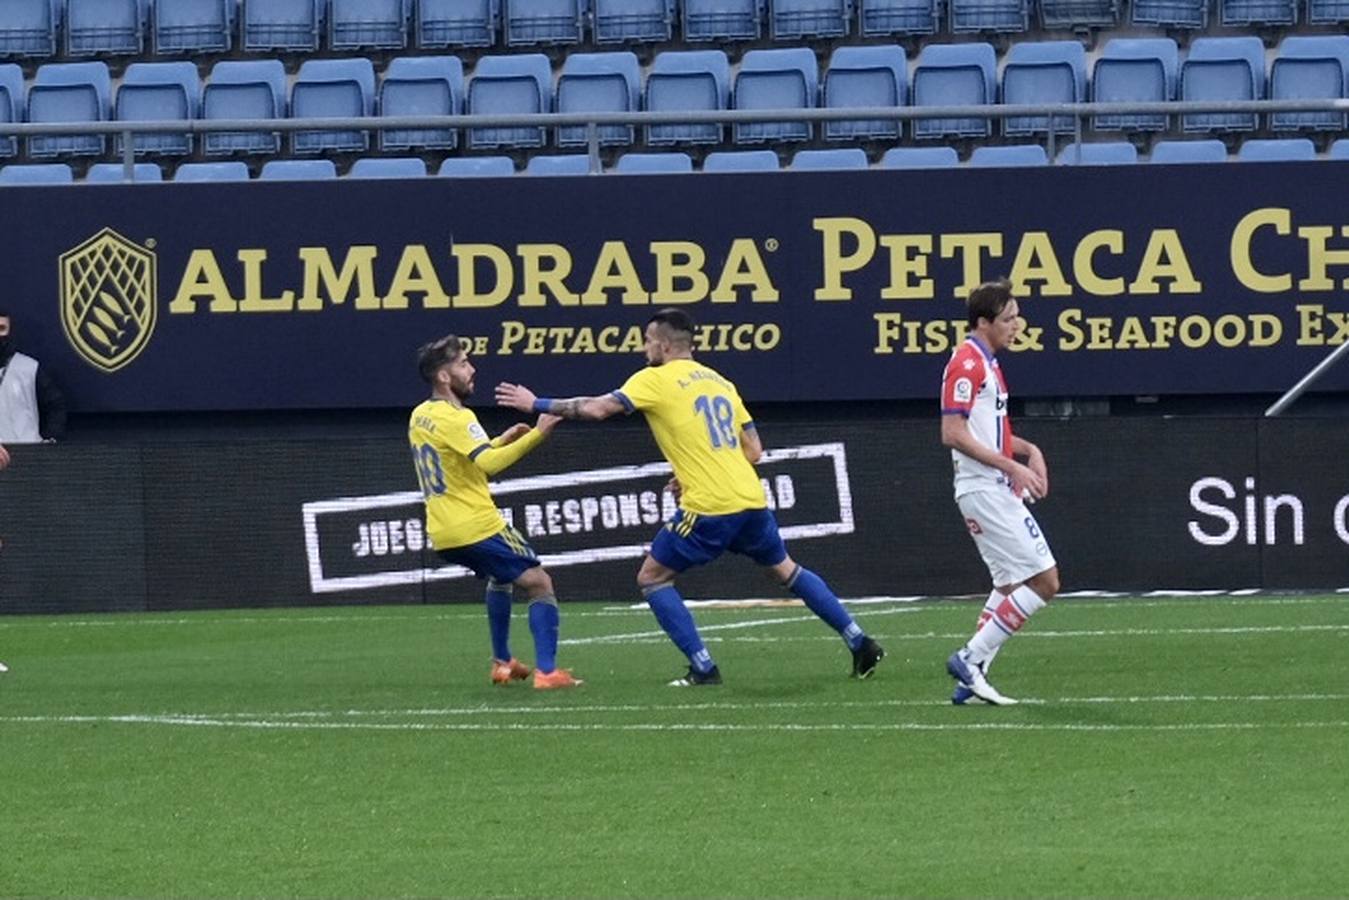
[807, 286]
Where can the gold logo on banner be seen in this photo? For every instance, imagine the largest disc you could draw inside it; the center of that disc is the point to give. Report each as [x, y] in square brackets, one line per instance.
[108, 299]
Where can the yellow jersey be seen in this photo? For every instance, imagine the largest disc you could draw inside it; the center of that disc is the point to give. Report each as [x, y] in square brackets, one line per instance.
[445, 440]
[696, 416]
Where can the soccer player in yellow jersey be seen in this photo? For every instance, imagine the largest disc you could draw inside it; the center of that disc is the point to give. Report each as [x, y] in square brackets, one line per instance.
[454, 456]
[707, 436]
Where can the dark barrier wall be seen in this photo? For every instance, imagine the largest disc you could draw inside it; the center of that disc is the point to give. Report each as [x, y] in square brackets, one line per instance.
[810, 286]
[1136, 504]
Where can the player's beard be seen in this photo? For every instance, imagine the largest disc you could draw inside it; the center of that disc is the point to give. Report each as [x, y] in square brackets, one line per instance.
[461, 389]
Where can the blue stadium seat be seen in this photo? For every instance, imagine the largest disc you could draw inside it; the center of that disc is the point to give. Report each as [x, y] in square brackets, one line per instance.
[457, 23]
[46, 173]
[919, 158]
[282, 25]
[1276, 150]
[115, 173]
[741, 161]
[1009, 156]
[1135, 69]
[1306, 67]
[794, 20]
[954, 75]
[152, 92]
[245, 89]
[193, 26]
[368, 24]
[388, 167]
[1339, 149]
[653, 163]
[1100, 153]
[571, 164]
[783, 78]
[1327, 12]
[826, 160]
[1043, 72]
[12, 104]
[866, 76]
[1171, 13]
[503, 85]
[881, 18]
[1188, 152]
[973, 16]
[298, 170]
[680, 81]
[477, 167]
[421, 86]
[630, 21]
[212, 171]
[1079, 14]
[327, 88]
[1223, 69]
[599, 82]
[1257, 12]
[729, 20]
[29, 28]
[531, 22]
[105, 27]
[69, 92]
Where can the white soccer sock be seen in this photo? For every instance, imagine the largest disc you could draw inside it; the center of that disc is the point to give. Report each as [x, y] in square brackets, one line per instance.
[1007, 619]
[995, 598]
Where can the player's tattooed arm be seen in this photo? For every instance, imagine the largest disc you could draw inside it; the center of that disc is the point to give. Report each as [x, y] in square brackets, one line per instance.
[517, 396]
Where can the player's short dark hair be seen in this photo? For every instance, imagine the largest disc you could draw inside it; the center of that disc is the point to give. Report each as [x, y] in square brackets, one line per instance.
[432, 356]
[988, 300]
[676, 322]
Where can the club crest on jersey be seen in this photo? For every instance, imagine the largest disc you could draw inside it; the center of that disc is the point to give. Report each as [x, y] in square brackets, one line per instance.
[108, 299]
[963, 390]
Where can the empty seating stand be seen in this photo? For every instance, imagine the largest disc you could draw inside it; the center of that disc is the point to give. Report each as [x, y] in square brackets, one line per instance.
[1009, 156]
[730, 20]
[784, 78]
[1188, 152]
[1043, 72]
[1079, 15]
[829, 160]
[115, 173]
[954, 75]
[421, 86]
[157, 92]
[105, 27]
[1192, 14]
[41, 173]
[29, 28]
[1257, 12]
[687, 80]
[368, 24]
[1101, 153]
[193, 26]
[627, 21]
[388, 167]
[12, 104]
[569, 164]
[741, 161]
[791, 20]
[1276, 150]
[477, 167]
[70, 92]
[881, 18]
[286, 25]
[298, 170]
[1310, 67]
[972, 16]
[504, 85]
[212, 171]
[1135, 69]
[332, 88]
[1327, 12]
[245, 89]
[598, 82]
[919, 158]
[531, 22]
[457, 23]
[872, 76]
[653, 163]
[1223, 69]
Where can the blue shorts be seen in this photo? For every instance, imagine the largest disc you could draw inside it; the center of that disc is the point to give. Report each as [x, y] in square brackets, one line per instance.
[503, 557]
[690, 539]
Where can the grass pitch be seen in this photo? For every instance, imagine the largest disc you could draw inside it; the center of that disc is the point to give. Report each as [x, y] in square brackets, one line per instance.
[1172, 747]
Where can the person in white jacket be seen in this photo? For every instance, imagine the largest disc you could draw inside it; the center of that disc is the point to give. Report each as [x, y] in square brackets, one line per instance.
[32, 408]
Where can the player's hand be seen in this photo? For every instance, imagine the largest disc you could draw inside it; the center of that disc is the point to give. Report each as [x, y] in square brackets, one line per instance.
[547, 422]
[4, 457]
[1026, 483]
[513, 434]
[1035, 461]
[675, 488]
[516, 396]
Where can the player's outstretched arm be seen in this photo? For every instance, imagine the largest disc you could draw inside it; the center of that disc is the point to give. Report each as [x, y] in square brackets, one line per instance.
[495, 458]
[517, 396]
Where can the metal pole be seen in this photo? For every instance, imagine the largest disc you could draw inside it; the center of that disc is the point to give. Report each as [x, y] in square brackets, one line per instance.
[128, 158]
[593, 147]
[1307, 381]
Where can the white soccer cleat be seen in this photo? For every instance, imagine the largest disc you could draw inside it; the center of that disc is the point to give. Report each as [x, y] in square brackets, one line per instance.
[4, 668]
[971, 677]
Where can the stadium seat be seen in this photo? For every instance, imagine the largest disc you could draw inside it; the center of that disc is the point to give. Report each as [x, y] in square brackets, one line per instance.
[1339, 149]
[29, 28]
[212, 171]
[532, 22]
[881, 18]
[69, 92]
[954, 75]
[244, 89]
[1188, 152]
[599, 82]
[741, 161]
[457, 23]
[290, 25]
[368, 24]
[115, 173]
[1257, 12]
[975, 16]
[388, 167]
[328, 88]
[44, 173]
[1135, 69]
[12, 104]
[1079, 15]
[298, 170]
[105, 27]
[1101, 153]
[570, 164]
[193, 26]
[421, 86]
[653, 163]
[866, 76]
[163, 91]
[1306, 67]
[795, 20]
[680, 81]
[827, 160]
[477, 166]
[785, 78]
[1009, 156]
[631, 21]
[729, 20]
[1171, 13]
[1040, 72]
[1327, 12]
[1223, 69]
[502, 85]
[1276, 150]
[919, 158]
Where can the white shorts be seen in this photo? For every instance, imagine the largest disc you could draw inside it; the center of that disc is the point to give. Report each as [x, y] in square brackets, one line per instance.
[1007, 535]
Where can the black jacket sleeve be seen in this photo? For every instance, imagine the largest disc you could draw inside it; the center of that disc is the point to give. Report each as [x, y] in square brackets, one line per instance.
[51, 407]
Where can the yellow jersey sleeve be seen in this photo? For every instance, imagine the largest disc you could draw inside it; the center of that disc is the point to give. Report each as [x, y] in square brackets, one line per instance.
[642, 391]
[445, 440]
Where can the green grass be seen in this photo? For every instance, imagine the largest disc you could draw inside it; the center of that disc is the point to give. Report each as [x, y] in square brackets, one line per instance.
[1176, 747]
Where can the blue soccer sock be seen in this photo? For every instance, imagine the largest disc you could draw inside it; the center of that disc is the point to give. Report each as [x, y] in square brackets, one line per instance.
[678, 624]
[821, 601]
[543, 622]
[499, 619]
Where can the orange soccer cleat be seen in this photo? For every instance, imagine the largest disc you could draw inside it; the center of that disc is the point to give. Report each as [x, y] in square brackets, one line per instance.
[511, 670]
[558, 678]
